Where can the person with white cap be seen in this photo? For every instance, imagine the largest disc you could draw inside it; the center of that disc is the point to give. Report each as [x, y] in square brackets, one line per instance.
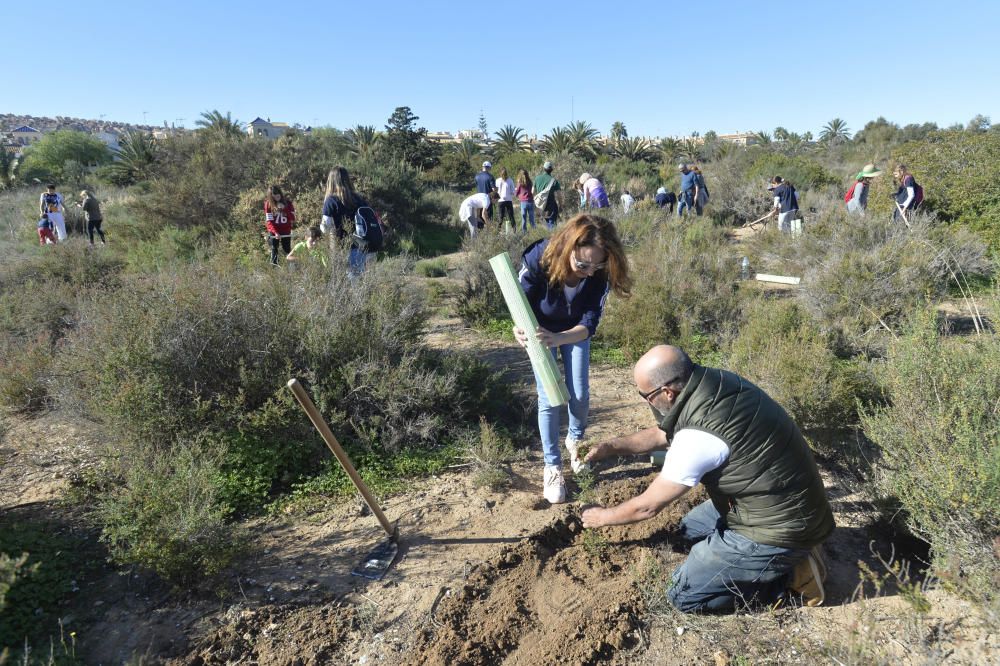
[857, 197]
[486, 185]
[547, 195]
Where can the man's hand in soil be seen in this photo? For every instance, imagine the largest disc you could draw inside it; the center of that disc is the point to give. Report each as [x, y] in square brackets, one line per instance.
[636, 444]
[660, 493]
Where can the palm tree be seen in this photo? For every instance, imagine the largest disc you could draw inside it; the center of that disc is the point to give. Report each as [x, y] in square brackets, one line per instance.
[618, 131]
[781, 134]
[469, 149]
[762, 138]
[134, 157]
[557, 141]
[510, 139]
[583, 136]
[670, 149]
[363, 139]
[224, 125]
[835, 131]
[635, 149]
[690, 151]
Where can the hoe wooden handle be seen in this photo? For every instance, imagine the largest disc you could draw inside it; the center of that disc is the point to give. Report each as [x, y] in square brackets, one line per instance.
[345, 462]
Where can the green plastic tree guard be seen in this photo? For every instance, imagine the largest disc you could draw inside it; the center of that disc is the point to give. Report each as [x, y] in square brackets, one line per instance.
[541, 358]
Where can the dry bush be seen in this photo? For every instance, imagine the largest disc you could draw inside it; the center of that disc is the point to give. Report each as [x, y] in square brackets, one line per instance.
[686, 292]
[938, 438]
[863, 275]
[782, 350]
[480, 300]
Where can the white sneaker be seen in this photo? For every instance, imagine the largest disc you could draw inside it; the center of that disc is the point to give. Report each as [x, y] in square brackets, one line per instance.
[553, 486]
[575, 462]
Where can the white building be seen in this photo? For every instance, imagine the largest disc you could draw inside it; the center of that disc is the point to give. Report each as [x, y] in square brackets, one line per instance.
[25, 136]
[266, 129]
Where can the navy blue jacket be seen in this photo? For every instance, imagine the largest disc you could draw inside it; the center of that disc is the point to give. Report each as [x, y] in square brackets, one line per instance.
[485, 183]
[549, 303]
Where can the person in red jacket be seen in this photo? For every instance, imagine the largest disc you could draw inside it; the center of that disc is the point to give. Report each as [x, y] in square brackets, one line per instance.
[279, 215]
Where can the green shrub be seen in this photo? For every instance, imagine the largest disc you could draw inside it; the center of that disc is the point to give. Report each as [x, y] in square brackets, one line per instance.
[799, 170]
[24, 368]
[166, 515]
[685, 295]
[957, 171]
[938, 439]
[781, 349]
[42, 563]
[480, 300]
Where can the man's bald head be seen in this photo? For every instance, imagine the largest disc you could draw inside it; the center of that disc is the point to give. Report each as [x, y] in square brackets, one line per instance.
[662, 365]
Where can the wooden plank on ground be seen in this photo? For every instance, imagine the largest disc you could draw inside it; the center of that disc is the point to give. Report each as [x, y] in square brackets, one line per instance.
[782, 279]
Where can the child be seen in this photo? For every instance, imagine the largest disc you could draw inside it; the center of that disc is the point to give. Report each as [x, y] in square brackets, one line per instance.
[51, 202]
[279, 217]
[45, 235]
[309, 248]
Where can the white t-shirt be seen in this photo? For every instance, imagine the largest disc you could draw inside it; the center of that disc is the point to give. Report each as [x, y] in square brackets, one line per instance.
[627, 201]
[505, 188]
[473, 205]
[692, 455]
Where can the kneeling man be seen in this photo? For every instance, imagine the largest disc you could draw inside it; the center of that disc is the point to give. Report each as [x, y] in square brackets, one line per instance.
[768, 506]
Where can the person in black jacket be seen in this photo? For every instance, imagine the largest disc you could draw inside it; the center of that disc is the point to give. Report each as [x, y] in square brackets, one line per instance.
[566, 279]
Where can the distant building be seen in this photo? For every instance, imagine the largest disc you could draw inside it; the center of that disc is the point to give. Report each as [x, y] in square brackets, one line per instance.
[740, 138]
[266, 129]
[110, 139]
[25, 135]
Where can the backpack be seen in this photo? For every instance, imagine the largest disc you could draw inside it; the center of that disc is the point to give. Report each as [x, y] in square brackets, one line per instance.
[918, 194]
[850, 192]
[542, 198]
[368, 228]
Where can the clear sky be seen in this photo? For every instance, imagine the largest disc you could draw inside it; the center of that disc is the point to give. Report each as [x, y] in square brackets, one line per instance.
[662, 68]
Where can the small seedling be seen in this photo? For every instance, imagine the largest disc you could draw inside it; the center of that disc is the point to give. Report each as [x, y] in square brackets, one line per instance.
[594, 543]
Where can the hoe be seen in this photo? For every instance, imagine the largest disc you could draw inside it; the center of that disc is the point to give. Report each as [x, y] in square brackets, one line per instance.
[378, 561]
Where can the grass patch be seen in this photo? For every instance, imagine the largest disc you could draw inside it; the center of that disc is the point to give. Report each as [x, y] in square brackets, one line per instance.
[489, 454]
[432, 268]
[383, 473]
[605, 353]
[498, 329]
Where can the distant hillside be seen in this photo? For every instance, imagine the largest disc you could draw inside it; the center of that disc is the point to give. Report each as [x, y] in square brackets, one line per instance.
[10, 121]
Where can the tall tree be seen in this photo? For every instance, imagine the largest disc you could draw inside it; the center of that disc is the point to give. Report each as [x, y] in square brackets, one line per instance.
[835, 132]
[635, 149]
[763, 137]
[618, 131]
[781, 134]
[134, 158]
[224, 125]
[670, 149]
[484, 130]
[583, 137]
[406, 141]
[362, 139]
[558, 140]
[61, 155]
[510, 139]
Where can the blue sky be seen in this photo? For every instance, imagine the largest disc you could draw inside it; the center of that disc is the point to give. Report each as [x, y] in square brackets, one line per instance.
[662, 68]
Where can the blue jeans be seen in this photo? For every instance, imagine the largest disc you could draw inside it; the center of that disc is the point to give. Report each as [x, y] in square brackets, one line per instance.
[576, 363]
[551, 217]
[357, 260]
[685, 202]
[527, 213]
[726, 568]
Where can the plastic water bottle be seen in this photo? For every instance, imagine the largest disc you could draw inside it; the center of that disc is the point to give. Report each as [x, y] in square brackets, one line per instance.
[745, 269]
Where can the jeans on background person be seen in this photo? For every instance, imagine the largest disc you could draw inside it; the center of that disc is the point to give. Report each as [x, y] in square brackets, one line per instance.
[527, 213]
[357, 261]
[725, 568]
[285, 242]
[576, 365]
[685, 202]
[551, 218]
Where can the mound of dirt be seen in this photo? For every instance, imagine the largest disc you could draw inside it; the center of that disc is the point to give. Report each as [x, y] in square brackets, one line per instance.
[283, 634]
[563, 595]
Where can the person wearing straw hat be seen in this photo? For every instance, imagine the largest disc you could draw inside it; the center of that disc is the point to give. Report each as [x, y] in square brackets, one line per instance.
[857, 196]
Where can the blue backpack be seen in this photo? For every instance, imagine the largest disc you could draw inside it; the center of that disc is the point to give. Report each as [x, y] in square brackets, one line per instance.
[368, 228]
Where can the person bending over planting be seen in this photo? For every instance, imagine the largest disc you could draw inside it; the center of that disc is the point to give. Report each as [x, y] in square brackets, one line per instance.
[767, 505]
[566, 279]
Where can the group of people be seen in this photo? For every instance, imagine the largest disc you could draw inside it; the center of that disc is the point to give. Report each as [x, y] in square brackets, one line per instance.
[347, 216]
[768, 508]
[908, 195]
[543, 194]
[52, 220]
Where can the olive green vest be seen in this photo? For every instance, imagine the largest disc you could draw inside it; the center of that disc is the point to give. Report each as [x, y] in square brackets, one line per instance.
[769, 490]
